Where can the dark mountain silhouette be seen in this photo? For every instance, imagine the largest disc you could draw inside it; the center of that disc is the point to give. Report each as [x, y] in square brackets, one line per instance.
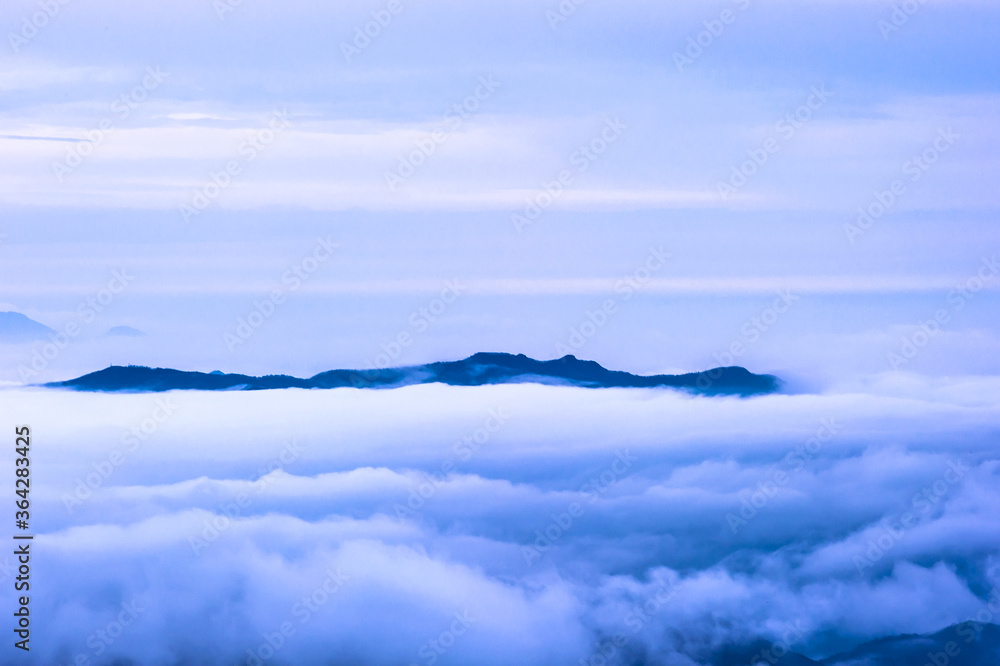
[15, 328]
[966, 644]
[479, 369]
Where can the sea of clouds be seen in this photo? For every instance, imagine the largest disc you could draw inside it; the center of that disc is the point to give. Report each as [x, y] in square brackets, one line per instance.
[516, 524]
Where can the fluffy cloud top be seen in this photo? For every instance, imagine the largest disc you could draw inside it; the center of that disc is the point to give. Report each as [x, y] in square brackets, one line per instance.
[678, 527]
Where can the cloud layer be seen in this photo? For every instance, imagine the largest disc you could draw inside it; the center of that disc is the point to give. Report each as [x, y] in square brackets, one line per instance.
[511, 523]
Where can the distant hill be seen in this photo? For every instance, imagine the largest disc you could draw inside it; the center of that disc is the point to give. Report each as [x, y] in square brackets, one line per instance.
[478, 369]
[964, 644]
[124, 332]
[15, 328]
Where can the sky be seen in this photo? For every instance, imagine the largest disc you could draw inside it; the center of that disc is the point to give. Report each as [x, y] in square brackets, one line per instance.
[535, 152]
[804, 188]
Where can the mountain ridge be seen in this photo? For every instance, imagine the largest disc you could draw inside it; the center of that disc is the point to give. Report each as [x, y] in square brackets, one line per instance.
[17, 328]
[482, 368]
[968, 643]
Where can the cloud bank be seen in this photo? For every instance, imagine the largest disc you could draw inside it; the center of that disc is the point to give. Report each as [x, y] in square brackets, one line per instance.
[528, 524]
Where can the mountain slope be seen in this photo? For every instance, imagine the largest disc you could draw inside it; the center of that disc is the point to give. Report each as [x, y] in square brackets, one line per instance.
[124, 332]
[966, 644]
[16, 328]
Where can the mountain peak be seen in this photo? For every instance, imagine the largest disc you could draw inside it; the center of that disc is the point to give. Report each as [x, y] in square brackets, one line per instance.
[16, 328]
[124, 332]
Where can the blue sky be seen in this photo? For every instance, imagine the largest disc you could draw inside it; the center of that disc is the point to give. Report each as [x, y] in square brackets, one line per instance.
[120, 124]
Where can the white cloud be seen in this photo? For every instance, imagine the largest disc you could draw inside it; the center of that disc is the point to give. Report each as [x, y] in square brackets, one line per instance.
[186, 523]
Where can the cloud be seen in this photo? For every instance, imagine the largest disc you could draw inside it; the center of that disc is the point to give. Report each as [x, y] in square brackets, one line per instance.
[553, 536]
